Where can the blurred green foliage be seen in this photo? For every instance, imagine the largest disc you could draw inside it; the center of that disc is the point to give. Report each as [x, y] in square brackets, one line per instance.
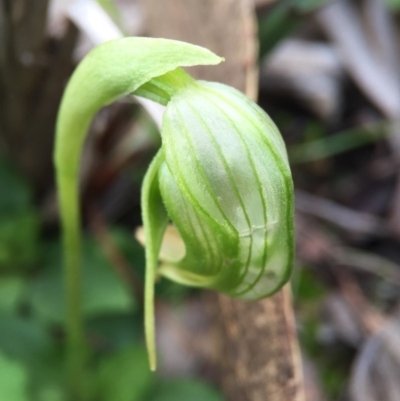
[332, 145]
[394, 5]
[32, 311]
[331, 358]
[20, 222]
[124, 375]
[13, 380]
[309, 288]
[11, 292]
[103, 290]
[282, 19]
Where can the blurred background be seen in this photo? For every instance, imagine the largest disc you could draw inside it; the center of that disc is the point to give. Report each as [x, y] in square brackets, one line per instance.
[327, 72]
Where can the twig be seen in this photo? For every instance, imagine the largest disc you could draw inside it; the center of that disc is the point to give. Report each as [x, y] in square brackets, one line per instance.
[370, 318]
[328, 248]
[341, 216]
[369, 262]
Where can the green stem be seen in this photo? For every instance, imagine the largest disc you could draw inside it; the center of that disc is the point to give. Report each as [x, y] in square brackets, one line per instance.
[76, 347]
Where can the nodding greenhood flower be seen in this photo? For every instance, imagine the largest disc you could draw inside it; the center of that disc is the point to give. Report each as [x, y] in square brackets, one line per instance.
[221, 176]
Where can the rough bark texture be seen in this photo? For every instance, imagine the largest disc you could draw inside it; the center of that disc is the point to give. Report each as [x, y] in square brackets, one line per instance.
[258, 353]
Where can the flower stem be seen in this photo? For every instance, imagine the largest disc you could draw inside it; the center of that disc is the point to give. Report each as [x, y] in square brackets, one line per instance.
[76, 347]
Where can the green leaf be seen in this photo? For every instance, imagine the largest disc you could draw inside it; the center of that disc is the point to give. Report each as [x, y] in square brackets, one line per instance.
[275, 25]
[15, 195]
[104, 292]
[19, 228]
[27, 342]
[338, 143]
[13, 380]
[124, 376]
[11, 291]
[117, 330]
[47, 383]
[282, 20]
[19, 234]
[50, 392]
[394, 5]
[24, 339]
[309, 288]
[310, 5]
[184, 390]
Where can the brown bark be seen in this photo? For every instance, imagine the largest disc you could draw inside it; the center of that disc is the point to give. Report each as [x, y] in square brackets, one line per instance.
[258, 353]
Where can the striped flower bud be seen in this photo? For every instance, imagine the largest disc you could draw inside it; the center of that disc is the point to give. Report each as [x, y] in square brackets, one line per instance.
[222, 177]
[226, 184]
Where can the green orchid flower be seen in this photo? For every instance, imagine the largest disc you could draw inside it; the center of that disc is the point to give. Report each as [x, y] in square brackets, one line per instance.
[221, 177]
